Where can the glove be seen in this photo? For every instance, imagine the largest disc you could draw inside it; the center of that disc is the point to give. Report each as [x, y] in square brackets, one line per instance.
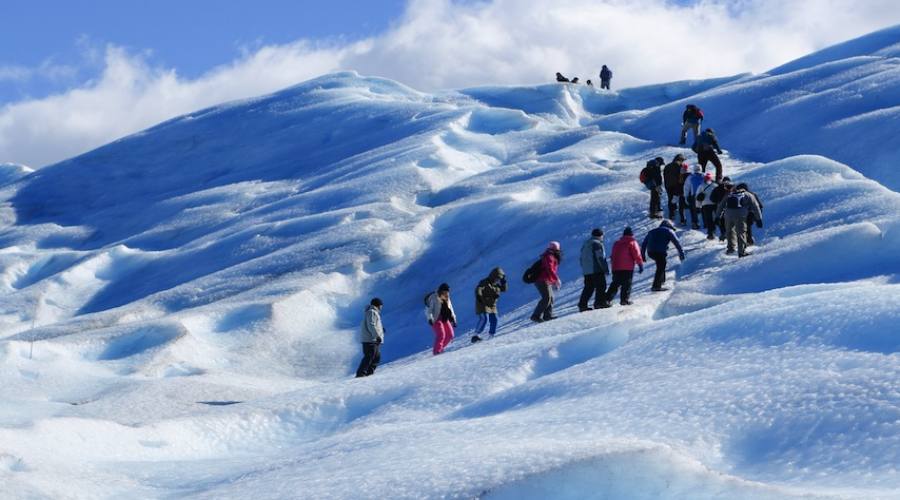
[759, 224]
[430, 322]
[557, 286]
[453, 323]
[644, 257]
[641, 270]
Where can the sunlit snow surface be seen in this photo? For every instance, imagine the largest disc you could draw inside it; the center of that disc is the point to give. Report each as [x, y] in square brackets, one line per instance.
[180, 307]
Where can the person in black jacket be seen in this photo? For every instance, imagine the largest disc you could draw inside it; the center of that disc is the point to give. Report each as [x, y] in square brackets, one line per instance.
[673, 178]
[654, 182]
[706, 147]
[656, 244]
[605, 77]
[718, 195]
[560, 78]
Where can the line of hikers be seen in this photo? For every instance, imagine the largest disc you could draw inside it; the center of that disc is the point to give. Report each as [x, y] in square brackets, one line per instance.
[605, 78]
[713, 198]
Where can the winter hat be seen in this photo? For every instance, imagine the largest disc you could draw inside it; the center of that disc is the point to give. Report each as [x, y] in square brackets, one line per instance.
[659, 160]
[628, 231]
[697, 168]
[666, 223]
[726, 179]
[708, 176]
[554, 245]
[443, 288]
[743, 186]
[497, 273]
[376, 302]
[597, 232]
[679, 157]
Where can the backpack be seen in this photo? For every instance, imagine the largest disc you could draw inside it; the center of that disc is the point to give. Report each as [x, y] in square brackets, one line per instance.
[646, 175]
[531, 274]
[736, 200]
[428, 298]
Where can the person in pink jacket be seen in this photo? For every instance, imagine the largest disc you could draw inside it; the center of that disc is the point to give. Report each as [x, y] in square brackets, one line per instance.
[547, 280]
[625, 255]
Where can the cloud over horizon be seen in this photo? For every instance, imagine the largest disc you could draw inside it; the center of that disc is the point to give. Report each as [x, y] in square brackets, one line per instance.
[441, 44]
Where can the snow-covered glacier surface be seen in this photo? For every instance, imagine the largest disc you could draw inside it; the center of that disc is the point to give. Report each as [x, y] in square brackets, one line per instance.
[179, 308]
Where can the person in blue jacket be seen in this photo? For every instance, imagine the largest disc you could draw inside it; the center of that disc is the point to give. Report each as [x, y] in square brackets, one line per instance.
[656, 245]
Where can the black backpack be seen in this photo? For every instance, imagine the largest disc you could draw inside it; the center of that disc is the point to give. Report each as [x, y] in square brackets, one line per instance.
[531, 274]
[736, 200]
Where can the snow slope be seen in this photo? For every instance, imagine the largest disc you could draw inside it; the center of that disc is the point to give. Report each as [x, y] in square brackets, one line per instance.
[180, 306]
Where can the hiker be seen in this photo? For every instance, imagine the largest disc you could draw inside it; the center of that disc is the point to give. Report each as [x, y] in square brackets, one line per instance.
[560, 78]
[487, 293]
[547, 280]
[691, 184]
[575, 80]
[651, 177]
[595, 269]
[735, 208]
[706, 147]
[690, 120]
[441, 317]
[706, 204]
[717, 196]
[589, 83]
[656, 245]
[673, 178]
[751, 219]
[371, 334]
[625, 255]
[605, 77]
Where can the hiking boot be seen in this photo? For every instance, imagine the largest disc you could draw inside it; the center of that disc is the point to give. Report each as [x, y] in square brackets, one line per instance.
[743, 254]
[605, 305]
[683, 222]
[659, 289]
[584, 309]
[729, 251]
[626, 303]
[548, 318]
[695, 226]
[710, 237]
[536, 319]
[476, 338]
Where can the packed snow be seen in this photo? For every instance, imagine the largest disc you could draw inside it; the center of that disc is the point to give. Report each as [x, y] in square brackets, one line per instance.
[180, 308]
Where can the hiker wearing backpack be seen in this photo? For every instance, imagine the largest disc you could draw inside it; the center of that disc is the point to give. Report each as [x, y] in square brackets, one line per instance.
[371, 335]
[691, 184]
[673, 178]
[706, 147]
[690, 120]
[625, 255]
[487, 294]
[441, 317]
[560, 78]
[719, 194]
[547, 279]
[595, 269]
[605, 77]
[751, 219]
[656, 244]
[735, 208]
[706, 204]
[651, 177]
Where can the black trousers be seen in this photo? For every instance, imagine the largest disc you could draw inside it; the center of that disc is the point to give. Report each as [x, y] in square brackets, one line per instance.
[594, 284]
[620, 279]
[371, 358]
[604, 84]
[692, 206]
[655, 201]
[709, 212]
[706, 156]
[660, 277]
[673, 197]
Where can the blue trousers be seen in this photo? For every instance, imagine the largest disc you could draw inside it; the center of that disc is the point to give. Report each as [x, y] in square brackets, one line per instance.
[483, 319]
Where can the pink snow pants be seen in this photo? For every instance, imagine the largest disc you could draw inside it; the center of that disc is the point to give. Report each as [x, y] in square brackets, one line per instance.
[443, 334]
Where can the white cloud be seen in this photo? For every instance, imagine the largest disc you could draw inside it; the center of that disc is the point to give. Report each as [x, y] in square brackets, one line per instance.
[444, 44]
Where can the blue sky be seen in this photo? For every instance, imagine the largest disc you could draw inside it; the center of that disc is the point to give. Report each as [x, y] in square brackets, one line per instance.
[191, 36]
[77, 74]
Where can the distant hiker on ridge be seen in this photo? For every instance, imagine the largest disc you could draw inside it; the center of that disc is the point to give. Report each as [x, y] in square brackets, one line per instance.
[575, 80]
[690, 120]
[441, 317]
[547, 280]
[605, 77]
[656, 244]
[371, 334]
[595, 269]
[673, 178]
[487, 294]
[589, 83]
[735, 208]
[651, 176]
[706, 147]
[625, 255]
[560, 78]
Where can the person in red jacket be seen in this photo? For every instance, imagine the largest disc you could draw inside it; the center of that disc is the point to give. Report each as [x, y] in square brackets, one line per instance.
[547, 280]
[625, 255]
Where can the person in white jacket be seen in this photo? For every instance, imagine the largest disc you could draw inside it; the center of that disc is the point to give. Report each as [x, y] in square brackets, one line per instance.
[371, 334]
[706, 205]
[441, 316]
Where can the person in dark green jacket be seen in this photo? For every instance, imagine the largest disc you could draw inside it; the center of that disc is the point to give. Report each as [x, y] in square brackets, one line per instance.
[487, 294]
